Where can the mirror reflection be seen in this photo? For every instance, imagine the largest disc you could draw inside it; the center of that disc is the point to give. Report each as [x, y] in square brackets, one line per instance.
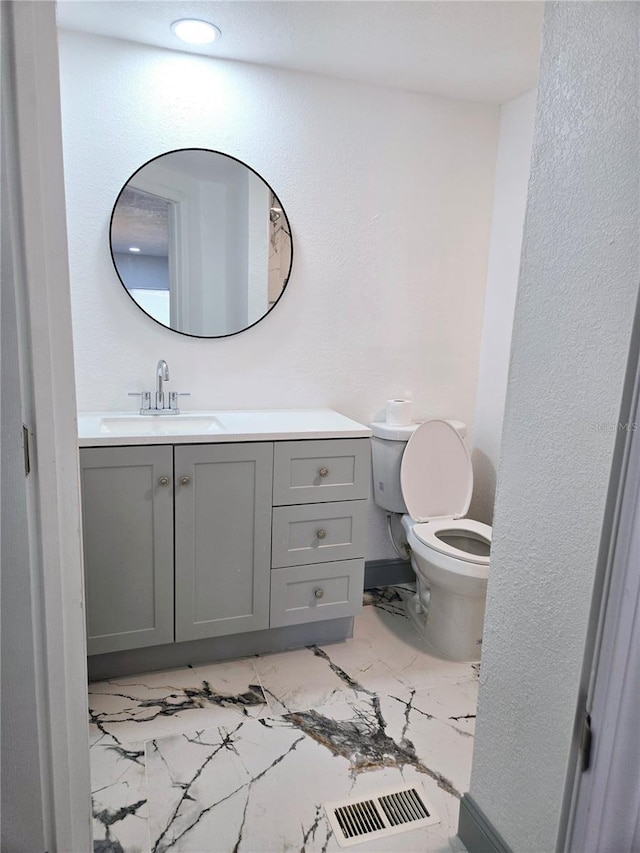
[201, 242]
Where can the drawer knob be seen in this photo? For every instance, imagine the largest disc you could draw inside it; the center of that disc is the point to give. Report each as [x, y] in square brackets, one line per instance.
[319, 592]
[163, 481]
[321, 533]
[185, 480]
[324, 472]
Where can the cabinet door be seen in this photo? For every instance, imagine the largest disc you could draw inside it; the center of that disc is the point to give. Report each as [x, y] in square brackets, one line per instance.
[223, 538]
[127, 511]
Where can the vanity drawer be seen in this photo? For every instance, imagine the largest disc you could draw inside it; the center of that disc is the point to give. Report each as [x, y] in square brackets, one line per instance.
[317, 533]
[318, 471]
[312, 593]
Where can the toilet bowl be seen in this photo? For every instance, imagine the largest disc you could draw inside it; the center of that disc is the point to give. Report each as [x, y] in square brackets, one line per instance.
[449, 553]
[448, 608]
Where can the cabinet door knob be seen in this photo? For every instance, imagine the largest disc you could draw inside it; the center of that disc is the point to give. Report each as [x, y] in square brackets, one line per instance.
[321, 533]
[185, 480]
[319, 592]
[163, 481]
[324, 472]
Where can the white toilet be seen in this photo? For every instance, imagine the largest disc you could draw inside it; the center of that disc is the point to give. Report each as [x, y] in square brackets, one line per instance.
[424, 472]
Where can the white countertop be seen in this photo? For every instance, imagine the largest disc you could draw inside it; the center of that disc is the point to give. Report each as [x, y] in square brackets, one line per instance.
[105, 429]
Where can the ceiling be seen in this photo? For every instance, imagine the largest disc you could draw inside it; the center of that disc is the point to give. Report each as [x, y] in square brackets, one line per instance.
[477, 50]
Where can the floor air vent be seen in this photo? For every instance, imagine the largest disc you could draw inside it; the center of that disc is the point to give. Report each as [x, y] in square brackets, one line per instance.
[392, 811]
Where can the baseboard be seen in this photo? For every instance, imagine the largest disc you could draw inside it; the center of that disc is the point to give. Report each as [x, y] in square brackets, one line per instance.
[476, 831]
[387, 573]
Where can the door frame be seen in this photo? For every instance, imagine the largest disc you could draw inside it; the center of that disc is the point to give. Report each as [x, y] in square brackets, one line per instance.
[46, 354]
[180, 231]
[605, 709]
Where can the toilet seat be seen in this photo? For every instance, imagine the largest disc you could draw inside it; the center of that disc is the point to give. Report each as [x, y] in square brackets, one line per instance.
[437, 481]
[436, 476]
[427, 533]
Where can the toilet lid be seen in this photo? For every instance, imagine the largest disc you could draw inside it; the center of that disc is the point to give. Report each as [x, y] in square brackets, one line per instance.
[436, 474]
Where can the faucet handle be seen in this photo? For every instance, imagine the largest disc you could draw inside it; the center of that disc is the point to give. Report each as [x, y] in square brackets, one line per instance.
[173, 399]
[145, 399]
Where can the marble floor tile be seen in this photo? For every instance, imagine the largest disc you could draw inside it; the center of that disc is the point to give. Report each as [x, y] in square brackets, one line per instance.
[453, 704]
[305, 678]
[420, 718]
[259, 786]
[389, 598]
[119, 796]
[146, 706]
[386, 645]
[240, 756]
[385, 654]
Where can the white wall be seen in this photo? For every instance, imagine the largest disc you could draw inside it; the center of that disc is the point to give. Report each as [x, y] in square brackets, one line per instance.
[509, 203]
[389, 198]
[574, 312]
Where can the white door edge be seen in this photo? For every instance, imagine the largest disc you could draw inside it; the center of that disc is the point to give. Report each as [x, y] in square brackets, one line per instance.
[612, 658]
[60, 637]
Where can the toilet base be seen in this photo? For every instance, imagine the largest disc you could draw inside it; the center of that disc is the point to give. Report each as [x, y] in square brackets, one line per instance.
[451, 623]
[417, 614]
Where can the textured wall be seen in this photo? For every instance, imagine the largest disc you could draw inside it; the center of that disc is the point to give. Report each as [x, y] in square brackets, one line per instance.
[507, 221]
[575, 304]
[389, 196]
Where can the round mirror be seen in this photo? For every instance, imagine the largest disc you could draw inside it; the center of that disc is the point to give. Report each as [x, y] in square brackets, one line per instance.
[201, 242]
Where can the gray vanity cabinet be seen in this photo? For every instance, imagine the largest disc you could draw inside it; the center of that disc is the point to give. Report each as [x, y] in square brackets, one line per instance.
[223, 538]
[188, 544]
[127, 504]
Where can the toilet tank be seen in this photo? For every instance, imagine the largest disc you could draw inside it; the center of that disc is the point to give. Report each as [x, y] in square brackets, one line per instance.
[387, 447]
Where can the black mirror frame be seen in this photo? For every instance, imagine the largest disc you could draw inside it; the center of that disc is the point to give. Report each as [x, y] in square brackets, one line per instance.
[284, 213]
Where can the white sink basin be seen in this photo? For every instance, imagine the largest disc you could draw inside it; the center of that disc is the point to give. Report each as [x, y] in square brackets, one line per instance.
[183, 424]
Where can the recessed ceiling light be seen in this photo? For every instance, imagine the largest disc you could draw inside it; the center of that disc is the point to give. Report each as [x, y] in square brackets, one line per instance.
[195, 32]
[134, 249]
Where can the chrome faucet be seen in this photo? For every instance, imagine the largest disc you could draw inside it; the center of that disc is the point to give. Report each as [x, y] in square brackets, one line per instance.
[162, 375]
[160, 405]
